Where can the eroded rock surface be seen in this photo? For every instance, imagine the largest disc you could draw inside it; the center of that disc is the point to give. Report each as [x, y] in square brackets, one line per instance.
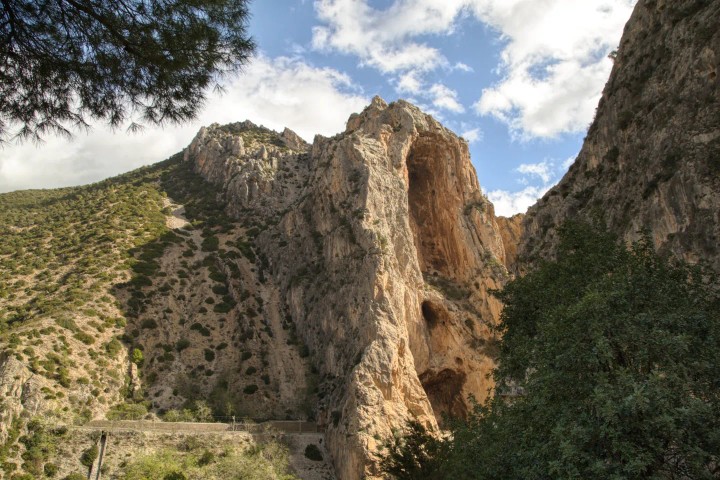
[651, 159]
[382, 250]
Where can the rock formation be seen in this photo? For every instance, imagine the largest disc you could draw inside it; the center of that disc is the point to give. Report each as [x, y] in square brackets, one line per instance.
[393, 249]
[345, 281]
[651, 158]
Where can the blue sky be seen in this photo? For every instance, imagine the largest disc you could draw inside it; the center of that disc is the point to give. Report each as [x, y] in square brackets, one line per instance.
[519, 79]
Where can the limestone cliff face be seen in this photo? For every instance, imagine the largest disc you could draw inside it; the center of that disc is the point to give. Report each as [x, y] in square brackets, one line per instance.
[651, 159]
[380, 250]
[511, 230]
[20, 391]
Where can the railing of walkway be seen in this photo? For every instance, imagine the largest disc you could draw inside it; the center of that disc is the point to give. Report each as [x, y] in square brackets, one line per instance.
[281, 426]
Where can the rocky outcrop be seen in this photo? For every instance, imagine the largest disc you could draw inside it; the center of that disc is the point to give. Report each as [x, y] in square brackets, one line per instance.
[382, 250]
[651, 158]
[20, 391]
[511, 230]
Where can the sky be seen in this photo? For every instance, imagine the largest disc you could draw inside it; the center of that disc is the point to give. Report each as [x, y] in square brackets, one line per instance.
[518, 79]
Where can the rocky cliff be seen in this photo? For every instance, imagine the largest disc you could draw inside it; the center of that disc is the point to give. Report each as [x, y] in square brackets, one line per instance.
[257, 276]
[651, 158]
[379, 249]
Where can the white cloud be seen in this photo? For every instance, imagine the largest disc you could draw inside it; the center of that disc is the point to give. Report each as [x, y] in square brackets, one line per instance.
[410, 82]
[273, 92]
[554, 62]
[472, 135]
[553, 59]
[541, 170]
[383, 39]
[463, 67]
[508, 203]
[445, 98]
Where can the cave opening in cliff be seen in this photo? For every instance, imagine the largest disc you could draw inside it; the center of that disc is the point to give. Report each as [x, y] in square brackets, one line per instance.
[444, 390]
[431, 313]
[426, 203]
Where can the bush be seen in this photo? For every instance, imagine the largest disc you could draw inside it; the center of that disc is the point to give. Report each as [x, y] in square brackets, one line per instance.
[250, 389]
[126, 411]
[175, 476]
[113, 347]
[89, 455]
[75, 476]
[182, 344]
[206, 458]
[137, 356]
[209, 355]
[200, 329]
[50, 469]
[220, 290]
[210, 244]
[415, 455]
[313, 453]
[85, 338]
[148, 324]
[222, 307]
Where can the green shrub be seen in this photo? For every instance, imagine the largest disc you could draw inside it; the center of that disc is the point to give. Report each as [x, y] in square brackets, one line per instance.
[126, 411]
[137, 356]
[175, 476]
[250, 389]
[113, 347]
[50, 469]
[85, 338]
[313, 453]
[210, 244]
[202, 330]
[75, 476]
[222, 307]
[148, 324]
[22, 476]
[206, 458]
[209, 354]
[220, 290]
[182, 344]
[89, 455]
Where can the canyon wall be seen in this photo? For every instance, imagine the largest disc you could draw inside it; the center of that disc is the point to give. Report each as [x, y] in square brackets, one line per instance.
[382, 250]
[651, 158]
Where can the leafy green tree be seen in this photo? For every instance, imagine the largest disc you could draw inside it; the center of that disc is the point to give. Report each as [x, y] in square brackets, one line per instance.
[137, 357]
[616, 355]
[63, 62]
[416, 454]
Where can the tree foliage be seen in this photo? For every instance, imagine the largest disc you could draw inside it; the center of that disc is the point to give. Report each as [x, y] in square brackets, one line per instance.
[416, 454]
[63, 62]
[617, 352]
[612, 356]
